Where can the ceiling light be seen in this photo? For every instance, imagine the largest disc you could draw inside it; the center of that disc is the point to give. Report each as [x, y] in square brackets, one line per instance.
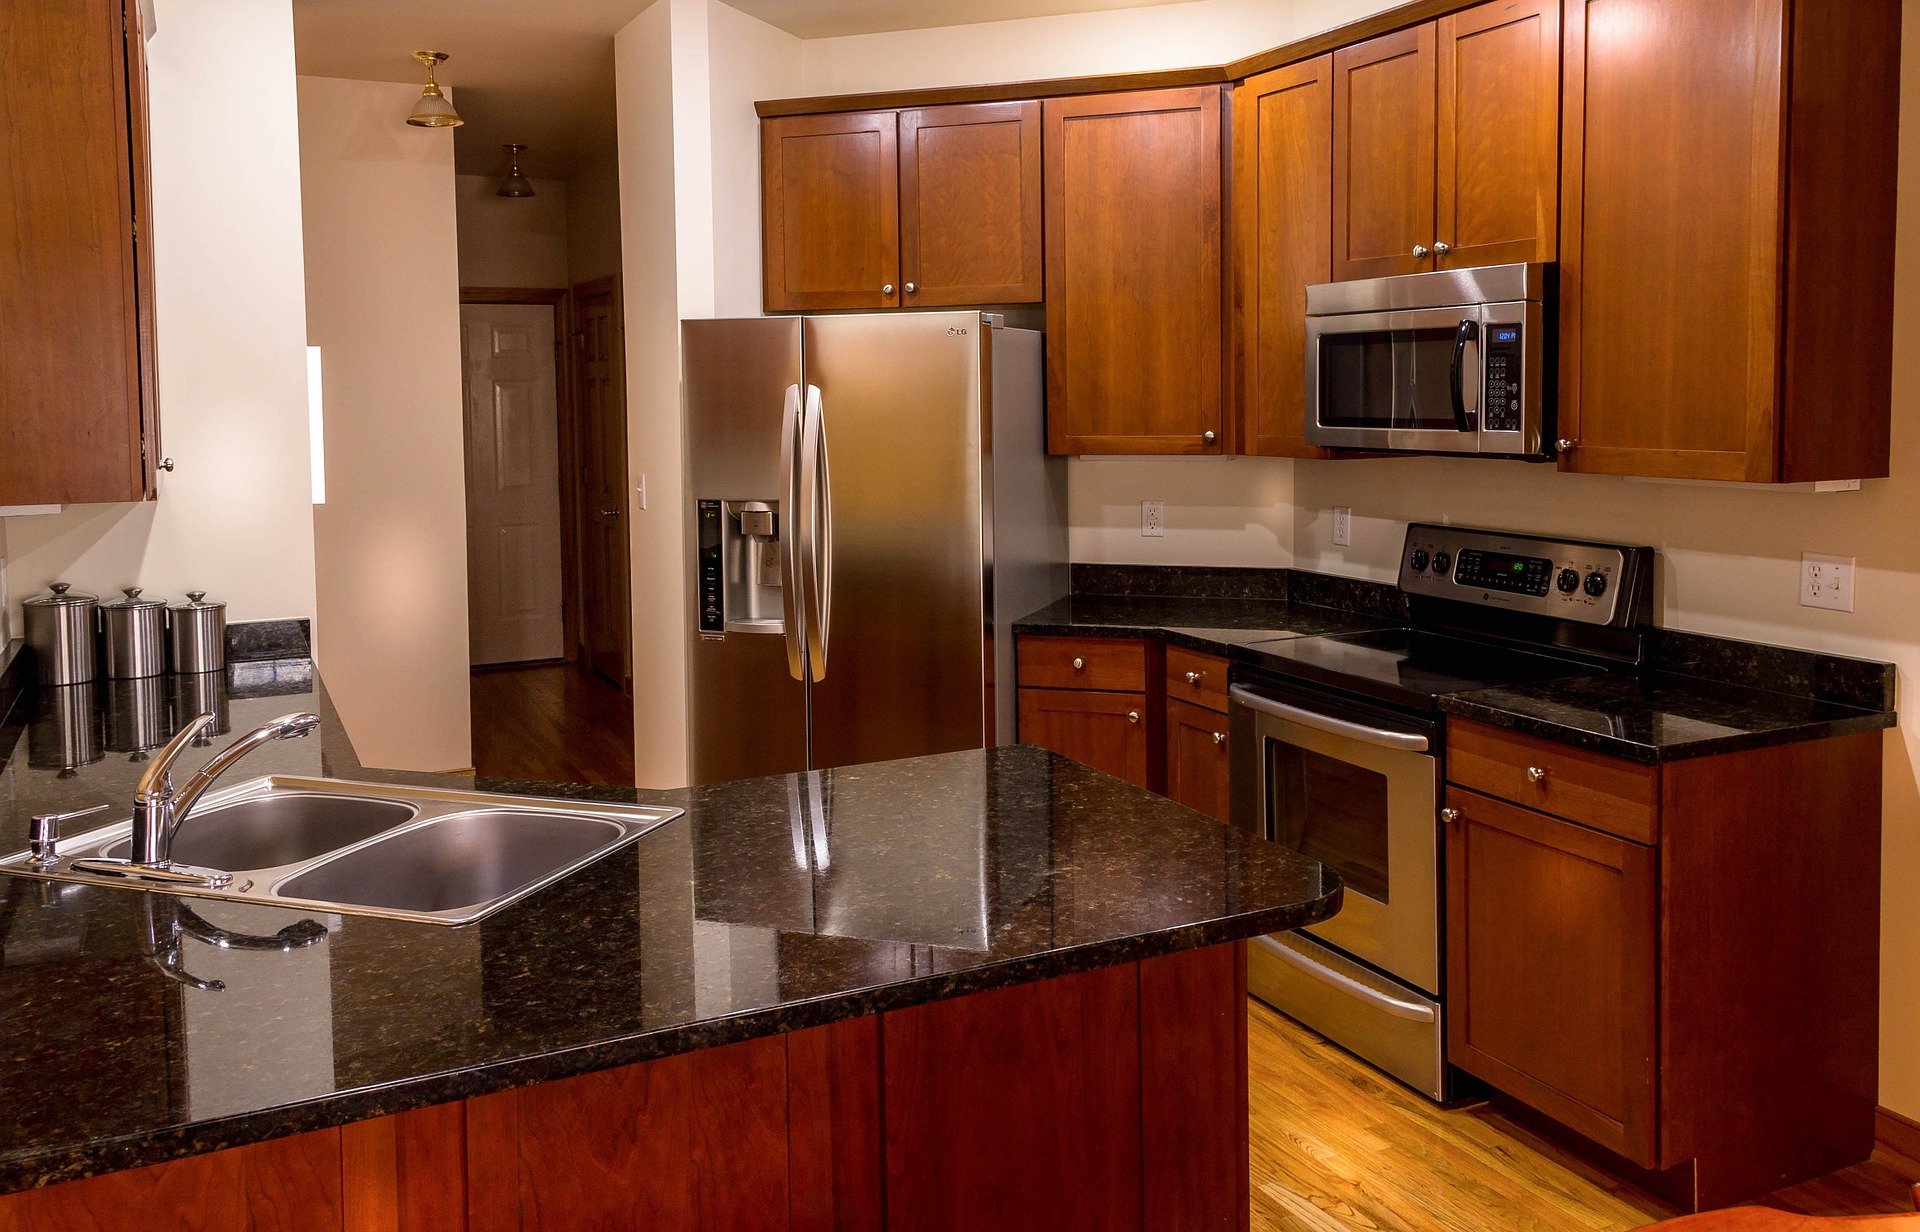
[433, 110]
[515, 185]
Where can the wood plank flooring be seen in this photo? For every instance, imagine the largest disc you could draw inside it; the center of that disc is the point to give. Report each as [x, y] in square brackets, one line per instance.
[1337, 1146]
[554, 723]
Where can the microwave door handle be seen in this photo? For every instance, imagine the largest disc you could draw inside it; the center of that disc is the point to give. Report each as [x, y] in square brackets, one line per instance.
[1410, 742]
[1468, 330]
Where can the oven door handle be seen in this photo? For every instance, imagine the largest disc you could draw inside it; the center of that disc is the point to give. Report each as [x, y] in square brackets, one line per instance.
[1410, 742]
[1411, 1010]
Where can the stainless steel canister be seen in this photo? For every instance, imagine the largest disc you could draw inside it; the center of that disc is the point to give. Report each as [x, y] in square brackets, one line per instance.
[197, 635]
[135, 636]
[60, 630]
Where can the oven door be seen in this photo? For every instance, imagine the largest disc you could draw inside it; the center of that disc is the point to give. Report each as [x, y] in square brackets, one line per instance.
[1404, 380]
[1357, 789]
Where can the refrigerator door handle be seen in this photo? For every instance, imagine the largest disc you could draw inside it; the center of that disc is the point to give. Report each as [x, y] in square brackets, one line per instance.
[816, 531]
[793, 615]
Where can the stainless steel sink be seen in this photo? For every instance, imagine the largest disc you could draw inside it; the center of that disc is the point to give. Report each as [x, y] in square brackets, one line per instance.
[441, 857]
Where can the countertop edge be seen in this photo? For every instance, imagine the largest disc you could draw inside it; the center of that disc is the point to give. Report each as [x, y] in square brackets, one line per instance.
[1465, 706]
[144, 1150]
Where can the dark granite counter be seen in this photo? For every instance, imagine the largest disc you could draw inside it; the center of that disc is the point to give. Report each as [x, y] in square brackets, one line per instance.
[774, 904]
[1218, 626]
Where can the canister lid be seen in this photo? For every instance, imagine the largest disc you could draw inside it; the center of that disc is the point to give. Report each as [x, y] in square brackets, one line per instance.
[197, 600]
[132, 600]
[61, 594]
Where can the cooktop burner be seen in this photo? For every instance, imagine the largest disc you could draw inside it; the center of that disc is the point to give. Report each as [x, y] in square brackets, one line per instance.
[1412, 667]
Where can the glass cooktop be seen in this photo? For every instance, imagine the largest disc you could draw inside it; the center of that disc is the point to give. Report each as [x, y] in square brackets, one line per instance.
[1410, 667]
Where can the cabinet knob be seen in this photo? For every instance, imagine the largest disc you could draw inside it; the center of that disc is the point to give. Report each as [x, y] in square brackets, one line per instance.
[1133, 716]
[887, 290]
[1536, 774]
[1564, 445]
[1079, 665]
[1442, 248]
[1219, 737]
[1449, 815]
[911, 288]
[1193, 677]
[165, 464]
[1421, 250]
[1209, 437]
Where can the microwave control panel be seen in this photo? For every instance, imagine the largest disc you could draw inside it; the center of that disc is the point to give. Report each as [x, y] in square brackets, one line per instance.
[1593, 583]
[1504, 348]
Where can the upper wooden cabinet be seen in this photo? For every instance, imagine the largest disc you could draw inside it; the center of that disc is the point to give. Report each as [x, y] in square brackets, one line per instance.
[78, 418]
[1282, 243]
[1446, 143]
[933, 207]
[1135, 266]
[1727, 275]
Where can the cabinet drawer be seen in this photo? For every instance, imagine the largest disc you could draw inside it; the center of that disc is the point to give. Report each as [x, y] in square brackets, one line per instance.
[1197, 678]
[1603, 792]
[1116, 665]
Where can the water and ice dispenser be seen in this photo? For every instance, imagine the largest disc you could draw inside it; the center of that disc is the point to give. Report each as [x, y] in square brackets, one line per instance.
[739, 567]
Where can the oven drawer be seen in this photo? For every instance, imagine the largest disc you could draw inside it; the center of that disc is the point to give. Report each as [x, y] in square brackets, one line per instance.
[1109, 665]
[1602, 792]
[1197, 678]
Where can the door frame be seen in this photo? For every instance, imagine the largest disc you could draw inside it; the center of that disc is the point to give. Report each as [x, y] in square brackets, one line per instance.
[608, 285]
[560, 299]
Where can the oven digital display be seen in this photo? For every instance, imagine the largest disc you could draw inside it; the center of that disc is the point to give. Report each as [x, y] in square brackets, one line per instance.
[1520, 575]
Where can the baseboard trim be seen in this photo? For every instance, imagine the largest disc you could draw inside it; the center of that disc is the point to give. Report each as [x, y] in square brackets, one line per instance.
[1898, 1140]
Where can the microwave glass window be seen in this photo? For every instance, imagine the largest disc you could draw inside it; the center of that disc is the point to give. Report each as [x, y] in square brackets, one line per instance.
[1387, 379]
[1331, 811]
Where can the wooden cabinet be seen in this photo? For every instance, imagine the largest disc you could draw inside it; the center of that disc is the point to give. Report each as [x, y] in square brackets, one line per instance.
[79, 420]
[1446, 143]
[1097, 700]
[1283, 244]
[1197, 758]
[1135, 248]
[1677, 962]
[936, 206]
[1726, 289]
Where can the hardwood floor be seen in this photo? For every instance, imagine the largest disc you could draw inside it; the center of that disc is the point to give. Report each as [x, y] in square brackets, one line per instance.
[1337, 1146]
[555, 723]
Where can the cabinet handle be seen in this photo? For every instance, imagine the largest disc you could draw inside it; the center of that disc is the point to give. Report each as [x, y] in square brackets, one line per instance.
[1208, 437]
[911, 288]
[887, 290]
[1564, 445]
[1421, 250]
[1193, 677]
[1442, 248]
[1079, 665]
[1219, 737]
[1536, 774]
[1449, 815]
[165, 464]
[1133, 716]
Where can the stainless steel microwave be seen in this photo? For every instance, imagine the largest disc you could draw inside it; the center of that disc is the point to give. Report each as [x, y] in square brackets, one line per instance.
[1456, 361]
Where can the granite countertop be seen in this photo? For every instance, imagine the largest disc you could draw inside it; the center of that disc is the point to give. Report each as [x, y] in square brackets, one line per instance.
[1221, 626]
[774, 904]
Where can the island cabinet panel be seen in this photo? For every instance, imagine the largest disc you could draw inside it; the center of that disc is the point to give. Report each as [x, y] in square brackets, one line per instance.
[406, 1173]
[970, 205]
[1383, 152]
[1726, 294]
[1135, 273]
[1193, 1074]
[830, 211]
[835, 1152]
[1283, 244]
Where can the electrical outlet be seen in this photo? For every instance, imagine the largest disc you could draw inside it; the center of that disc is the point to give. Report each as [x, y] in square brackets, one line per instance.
[1826, 581]
[1342, 526]
[1153, 519]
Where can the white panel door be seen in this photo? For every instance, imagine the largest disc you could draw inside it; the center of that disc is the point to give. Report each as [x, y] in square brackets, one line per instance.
[513, 483]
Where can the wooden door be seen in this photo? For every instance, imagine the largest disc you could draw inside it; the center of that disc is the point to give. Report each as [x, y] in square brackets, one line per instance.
[600, 386]
[1197, 758]
[1670, 247]
[1552, 970]
[1383, 155]
[514, 568]
[1497, 179]
[1283, 243]
[1134, 273]
[1107, 731]
[76, 413]
[970, 205]
[830, 205]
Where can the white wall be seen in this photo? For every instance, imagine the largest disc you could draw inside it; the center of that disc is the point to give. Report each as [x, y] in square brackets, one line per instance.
[511, 241]
[383, 305]
[235, 519]
[593, 222]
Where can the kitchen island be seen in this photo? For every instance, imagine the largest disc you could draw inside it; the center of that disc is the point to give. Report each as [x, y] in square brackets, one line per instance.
[986, 989]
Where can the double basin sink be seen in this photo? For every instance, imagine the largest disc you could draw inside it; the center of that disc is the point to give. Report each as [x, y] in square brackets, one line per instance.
[441, 857]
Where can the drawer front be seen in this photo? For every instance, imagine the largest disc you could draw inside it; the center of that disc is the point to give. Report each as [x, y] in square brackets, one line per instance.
[1602, 792]
[1115, 665]
[1108, 731]
[1197, 678]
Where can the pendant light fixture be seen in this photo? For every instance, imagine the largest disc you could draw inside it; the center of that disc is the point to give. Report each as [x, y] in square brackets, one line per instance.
[434, 110]
[516, 184]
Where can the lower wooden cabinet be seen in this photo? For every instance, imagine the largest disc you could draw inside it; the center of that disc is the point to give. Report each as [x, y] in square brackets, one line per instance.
[1107, 731]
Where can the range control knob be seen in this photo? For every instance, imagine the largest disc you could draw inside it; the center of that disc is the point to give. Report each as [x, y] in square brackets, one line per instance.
[1568, 581]
[1419, 561]
[1442, 563]
[1596, 584]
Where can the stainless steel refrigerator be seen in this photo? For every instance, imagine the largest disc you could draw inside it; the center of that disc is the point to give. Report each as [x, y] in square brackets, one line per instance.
[873, 508]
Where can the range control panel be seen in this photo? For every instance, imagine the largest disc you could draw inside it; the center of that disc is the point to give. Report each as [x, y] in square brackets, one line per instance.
[1594, 583]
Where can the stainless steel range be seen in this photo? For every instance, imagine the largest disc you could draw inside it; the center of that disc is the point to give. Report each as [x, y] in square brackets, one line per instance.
[1339, 753]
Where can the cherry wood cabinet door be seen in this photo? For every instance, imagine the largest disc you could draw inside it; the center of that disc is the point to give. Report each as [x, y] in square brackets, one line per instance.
[1670, 248]
[1551, 968]
[1107, 731]
[1283, 243]
[830, 211]
[1383, 155]
[1197, 758]
[970, 205]
[1497, 177]
[1135, 272]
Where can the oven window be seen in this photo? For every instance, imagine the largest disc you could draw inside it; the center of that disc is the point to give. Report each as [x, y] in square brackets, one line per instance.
[1399, 378]
[1332, 811]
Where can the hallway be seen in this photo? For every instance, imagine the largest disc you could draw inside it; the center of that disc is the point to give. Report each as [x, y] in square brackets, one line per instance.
[555, 723]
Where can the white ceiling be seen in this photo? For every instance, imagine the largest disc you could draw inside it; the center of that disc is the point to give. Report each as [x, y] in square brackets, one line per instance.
[833, 18]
